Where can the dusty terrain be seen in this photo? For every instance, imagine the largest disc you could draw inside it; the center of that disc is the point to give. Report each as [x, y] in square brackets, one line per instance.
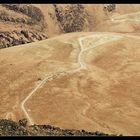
[98, 91]
[26, 23]
[83, 80]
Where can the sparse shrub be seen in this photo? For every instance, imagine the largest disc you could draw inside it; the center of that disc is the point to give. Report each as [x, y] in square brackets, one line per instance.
[39, 79]
[109, 7]
[25, 33]
[23, 122]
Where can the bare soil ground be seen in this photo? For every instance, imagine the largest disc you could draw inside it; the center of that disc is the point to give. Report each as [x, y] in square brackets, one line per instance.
[77, 80]
[103, 97]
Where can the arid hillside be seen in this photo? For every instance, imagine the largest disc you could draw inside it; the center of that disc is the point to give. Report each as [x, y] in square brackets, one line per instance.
[73, 66]
[26, 23]
[79, 80]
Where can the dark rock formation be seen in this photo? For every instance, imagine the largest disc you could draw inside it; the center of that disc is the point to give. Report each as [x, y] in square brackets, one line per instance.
[29, 10]
[9, 39]
[71, 19]
[11, 128]
[109, 7]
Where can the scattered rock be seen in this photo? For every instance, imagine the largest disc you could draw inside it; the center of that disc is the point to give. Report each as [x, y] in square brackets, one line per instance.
[11, 128]
[8, 39]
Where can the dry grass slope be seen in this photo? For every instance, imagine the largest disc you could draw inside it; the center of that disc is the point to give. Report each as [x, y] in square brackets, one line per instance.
[96, 98]
[82, 80]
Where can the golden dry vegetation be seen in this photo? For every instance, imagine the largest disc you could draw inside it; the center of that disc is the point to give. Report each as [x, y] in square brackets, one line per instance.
[84, 80]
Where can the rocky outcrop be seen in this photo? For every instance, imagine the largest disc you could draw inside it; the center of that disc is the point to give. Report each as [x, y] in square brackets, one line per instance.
[109, 7]
[71, 19]
[29, 10]
[11, 128]
[29, 21]
[4, 17]
[9, 39]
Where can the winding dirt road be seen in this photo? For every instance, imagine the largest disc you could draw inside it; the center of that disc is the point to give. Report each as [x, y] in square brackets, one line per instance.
[103, 38]
[101, 41]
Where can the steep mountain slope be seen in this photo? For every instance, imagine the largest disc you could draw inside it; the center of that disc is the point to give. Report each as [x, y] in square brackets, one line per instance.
[79, 80]
[20, 24]
[25, 23]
